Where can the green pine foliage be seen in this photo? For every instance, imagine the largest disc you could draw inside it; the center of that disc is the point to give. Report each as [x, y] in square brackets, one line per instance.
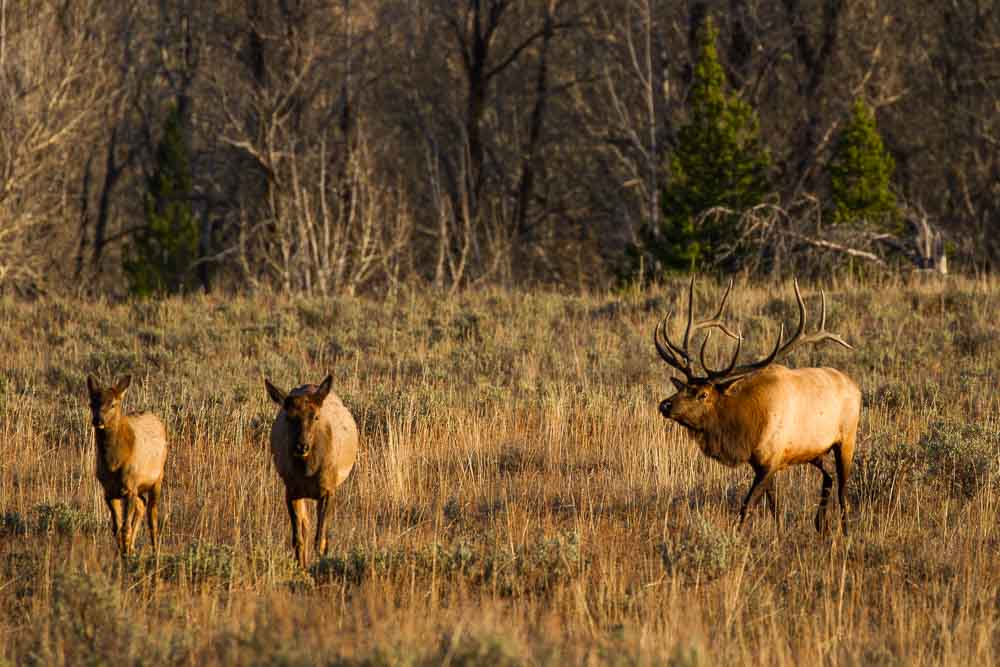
[719, 160]
[159, 259]
[860, 172]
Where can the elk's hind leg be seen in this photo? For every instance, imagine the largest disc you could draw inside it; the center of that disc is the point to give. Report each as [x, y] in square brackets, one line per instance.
[771, 499]
[844, 457]
[153, 514]
[824, 494]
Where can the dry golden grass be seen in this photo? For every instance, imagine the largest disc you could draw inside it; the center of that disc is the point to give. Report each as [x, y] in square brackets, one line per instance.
[518, 499]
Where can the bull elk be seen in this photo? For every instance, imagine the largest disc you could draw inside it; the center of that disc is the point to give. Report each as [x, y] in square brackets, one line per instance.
[131, 451]
[763, 413]
[314, 443]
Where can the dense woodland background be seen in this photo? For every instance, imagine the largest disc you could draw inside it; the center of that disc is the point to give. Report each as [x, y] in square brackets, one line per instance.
[342, 147]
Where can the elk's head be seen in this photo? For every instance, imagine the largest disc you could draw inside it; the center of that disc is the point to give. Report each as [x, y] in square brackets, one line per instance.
[302, 411]
[696, 401]
[693, 405]
[105, 402]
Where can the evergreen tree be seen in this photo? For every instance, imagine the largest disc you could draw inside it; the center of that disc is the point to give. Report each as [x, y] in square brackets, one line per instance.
[160, 257]
[860, 172]
[719, 160]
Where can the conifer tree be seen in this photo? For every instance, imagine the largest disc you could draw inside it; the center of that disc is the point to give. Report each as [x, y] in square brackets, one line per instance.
[160, 257]
[860, 173]
[718, 160]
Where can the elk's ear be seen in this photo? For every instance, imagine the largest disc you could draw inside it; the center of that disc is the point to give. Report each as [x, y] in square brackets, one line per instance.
[92, 387]
[323, 390]
[726, 388]
[678, 384]
[277, 395]
[123, 385]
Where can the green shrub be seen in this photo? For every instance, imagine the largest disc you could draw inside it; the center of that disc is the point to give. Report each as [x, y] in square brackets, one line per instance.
[860, 174]
[64, 519]
[160, 256]
[961, 455]
[958, 457]
[718, 160]
[701, 550]
[200, 562]
[12, 523]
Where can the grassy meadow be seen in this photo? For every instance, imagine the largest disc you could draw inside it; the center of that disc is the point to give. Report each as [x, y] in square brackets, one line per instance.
[518, 499]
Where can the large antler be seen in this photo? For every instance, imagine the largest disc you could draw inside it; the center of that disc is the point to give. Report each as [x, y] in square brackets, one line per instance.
[797, 339]
[680, 358]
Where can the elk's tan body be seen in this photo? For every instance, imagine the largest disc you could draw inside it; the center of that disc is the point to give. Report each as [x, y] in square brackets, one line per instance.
[314, 444]
[780, 417]
[764, 414]
[131, 453]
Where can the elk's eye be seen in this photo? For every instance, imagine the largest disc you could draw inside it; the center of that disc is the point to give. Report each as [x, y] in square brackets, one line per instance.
[702, 396]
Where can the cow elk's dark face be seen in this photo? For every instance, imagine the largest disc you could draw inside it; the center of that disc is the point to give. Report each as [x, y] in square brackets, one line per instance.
[691, 405]
[302, 417]
[105, 402]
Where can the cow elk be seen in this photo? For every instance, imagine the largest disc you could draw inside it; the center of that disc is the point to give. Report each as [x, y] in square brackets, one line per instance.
[314, 443]
[131, 451]
[762, 413]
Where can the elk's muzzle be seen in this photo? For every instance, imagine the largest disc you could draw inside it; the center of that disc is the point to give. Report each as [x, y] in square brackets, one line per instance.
[665, 407]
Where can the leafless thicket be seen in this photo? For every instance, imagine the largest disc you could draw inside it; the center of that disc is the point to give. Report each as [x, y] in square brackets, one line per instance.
[343, 146]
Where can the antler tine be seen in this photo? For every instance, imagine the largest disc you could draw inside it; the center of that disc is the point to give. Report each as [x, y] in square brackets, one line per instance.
[716, 320]
[781, 348]
[680, 358]
[712, 373]
[669, 353]
[664, 353]
[675, 351]
[687, 328]
[774, 353]
[722, 304]
[820, 334]
[802, 315]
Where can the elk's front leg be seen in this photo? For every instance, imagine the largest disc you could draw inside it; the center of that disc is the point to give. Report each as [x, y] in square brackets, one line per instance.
[153, 515]
[297, 516]
[134, 509]
[115, 507]
[761, 481]
[324, 517]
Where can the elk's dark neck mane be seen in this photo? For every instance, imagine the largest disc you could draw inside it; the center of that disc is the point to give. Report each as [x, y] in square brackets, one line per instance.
[723, 439]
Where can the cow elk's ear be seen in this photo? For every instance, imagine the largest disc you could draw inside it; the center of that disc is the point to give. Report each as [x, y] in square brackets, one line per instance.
[679, 384]
[277, 395]
[123, 385]
[323, 390]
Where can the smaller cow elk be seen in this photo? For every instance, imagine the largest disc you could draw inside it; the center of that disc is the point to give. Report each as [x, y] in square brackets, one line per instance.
[314, 442]
[131, 451]
[762, 413]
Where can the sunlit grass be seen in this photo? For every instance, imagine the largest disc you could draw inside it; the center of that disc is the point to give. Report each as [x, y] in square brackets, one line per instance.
[517, 500]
